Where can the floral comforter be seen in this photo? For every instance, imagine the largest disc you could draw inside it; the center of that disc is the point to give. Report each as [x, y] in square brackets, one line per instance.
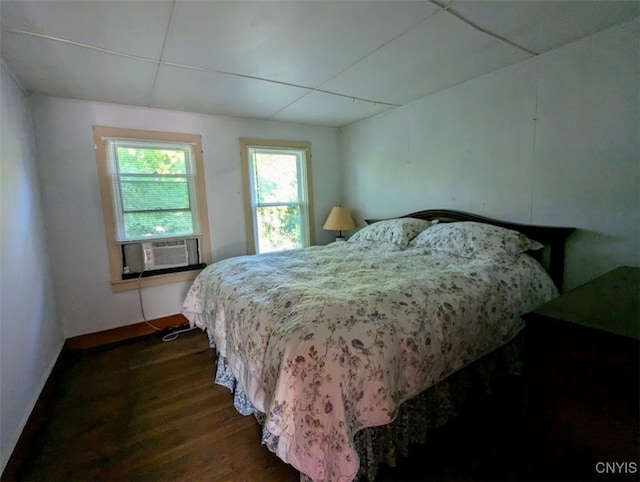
[328, 340]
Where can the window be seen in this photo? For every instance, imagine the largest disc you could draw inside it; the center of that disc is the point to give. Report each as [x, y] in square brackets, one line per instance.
[277, 181]
[152, 189]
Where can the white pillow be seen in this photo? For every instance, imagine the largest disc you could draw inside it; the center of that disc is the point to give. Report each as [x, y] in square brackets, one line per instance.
[472, 239]
[397, 231]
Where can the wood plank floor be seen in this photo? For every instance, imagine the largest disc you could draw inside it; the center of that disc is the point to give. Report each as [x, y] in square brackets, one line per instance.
[149, 410]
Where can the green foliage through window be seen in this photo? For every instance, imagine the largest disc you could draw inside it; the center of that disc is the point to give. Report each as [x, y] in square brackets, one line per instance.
[279, 228]
[154, 184]
[279, 197]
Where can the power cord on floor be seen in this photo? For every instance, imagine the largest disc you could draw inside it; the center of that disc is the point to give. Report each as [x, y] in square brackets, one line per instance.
[169, 336]
[175, 334]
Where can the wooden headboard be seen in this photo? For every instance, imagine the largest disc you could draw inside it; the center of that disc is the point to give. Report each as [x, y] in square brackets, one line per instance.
[553, 238]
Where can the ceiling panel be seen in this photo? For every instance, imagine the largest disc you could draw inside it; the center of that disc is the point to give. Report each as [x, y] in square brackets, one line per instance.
[53, 68]
[213, 93]
[133, 27]
[441, 52]
[541, 26]
[295, 53]
[304, 43]
[323, 109]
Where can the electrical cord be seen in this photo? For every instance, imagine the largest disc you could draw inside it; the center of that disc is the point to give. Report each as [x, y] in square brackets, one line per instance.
[144, 317]
[175, 334]
[169, 336]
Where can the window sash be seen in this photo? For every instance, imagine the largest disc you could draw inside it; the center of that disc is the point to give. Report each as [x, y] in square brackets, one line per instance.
[190, 227]
[302, 199]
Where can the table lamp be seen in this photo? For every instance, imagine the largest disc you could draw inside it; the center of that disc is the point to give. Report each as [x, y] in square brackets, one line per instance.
[339, 219]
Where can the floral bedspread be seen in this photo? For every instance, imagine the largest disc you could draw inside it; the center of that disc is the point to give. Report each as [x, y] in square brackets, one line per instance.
[328, 340]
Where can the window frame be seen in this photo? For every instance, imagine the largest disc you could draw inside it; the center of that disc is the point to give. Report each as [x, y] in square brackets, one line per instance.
[249, 191]
[101, 135]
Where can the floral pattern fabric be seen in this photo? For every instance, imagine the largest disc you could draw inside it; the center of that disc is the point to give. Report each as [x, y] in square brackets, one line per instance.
[395, 231]
[329, 340]
[472, 239]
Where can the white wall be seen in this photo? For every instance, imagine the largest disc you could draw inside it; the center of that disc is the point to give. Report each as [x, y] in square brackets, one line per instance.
[66, 163]
[553, 141]
[30, 337]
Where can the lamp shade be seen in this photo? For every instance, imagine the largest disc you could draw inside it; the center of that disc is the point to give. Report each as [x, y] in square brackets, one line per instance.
[339, 219]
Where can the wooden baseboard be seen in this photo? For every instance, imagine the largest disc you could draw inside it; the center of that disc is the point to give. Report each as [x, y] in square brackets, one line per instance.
[38, 414]
[93, 340]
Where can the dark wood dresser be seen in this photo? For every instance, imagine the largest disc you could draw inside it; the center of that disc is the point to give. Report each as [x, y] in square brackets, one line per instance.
[581, 382]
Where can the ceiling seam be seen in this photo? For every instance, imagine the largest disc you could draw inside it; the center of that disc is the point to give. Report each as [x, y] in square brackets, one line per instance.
[78, 44]
[164, 45]
[190, 67]
[288, 84]
[337, 94]
[361, 99]
[235, 74]
[12, 75]
[449, 9]
[384, 44]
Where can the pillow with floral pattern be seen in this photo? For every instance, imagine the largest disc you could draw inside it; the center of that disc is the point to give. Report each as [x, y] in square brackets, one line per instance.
[397, 231]
[471, 239]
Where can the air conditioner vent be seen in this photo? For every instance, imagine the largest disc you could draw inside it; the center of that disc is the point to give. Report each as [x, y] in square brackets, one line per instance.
[165, 254]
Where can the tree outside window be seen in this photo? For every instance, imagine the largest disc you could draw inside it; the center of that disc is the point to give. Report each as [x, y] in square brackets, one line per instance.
[277, 181]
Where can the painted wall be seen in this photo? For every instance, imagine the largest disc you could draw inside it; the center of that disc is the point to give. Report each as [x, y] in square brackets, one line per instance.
[553, 141]
[72, 206]
[30, 336]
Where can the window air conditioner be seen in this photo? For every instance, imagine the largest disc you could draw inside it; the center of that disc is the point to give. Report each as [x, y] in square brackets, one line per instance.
[165, 254]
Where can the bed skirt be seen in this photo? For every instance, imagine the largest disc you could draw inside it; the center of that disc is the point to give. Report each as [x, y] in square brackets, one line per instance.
[429, 410]
[433, 408]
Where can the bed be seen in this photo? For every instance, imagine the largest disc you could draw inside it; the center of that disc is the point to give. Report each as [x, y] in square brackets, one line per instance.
[338, 350]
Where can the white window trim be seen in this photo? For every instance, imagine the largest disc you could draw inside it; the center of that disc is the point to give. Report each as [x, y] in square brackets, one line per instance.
[250, 219]
[100, 135]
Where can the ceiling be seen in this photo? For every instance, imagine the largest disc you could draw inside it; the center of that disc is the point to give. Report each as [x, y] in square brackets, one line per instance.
[327, 63]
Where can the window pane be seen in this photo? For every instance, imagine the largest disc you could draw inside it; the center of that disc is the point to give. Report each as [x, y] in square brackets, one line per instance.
[154, 193]
[279, 227]
[276, 177]
[144, 225]
[137, 160]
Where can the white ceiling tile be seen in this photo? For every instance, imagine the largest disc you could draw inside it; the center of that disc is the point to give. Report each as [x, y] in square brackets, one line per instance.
[303, 43]
[385, 51]
[133, 27]
[541, 26]
[439, 53]
[328, 110]
[213, 93]
[63, 70]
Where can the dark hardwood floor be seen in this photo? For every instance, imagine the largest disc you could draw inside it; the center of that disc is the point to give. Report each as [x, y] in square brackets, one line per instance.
[149, 410]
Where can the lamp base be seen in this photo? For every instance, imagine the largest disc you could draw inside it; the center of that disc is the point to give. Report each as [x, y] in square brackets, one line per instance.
[340, 238]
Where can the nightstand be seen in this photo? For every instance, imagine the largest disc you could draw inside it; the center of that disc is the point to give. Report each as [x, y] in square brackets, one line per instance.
[581, 382]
